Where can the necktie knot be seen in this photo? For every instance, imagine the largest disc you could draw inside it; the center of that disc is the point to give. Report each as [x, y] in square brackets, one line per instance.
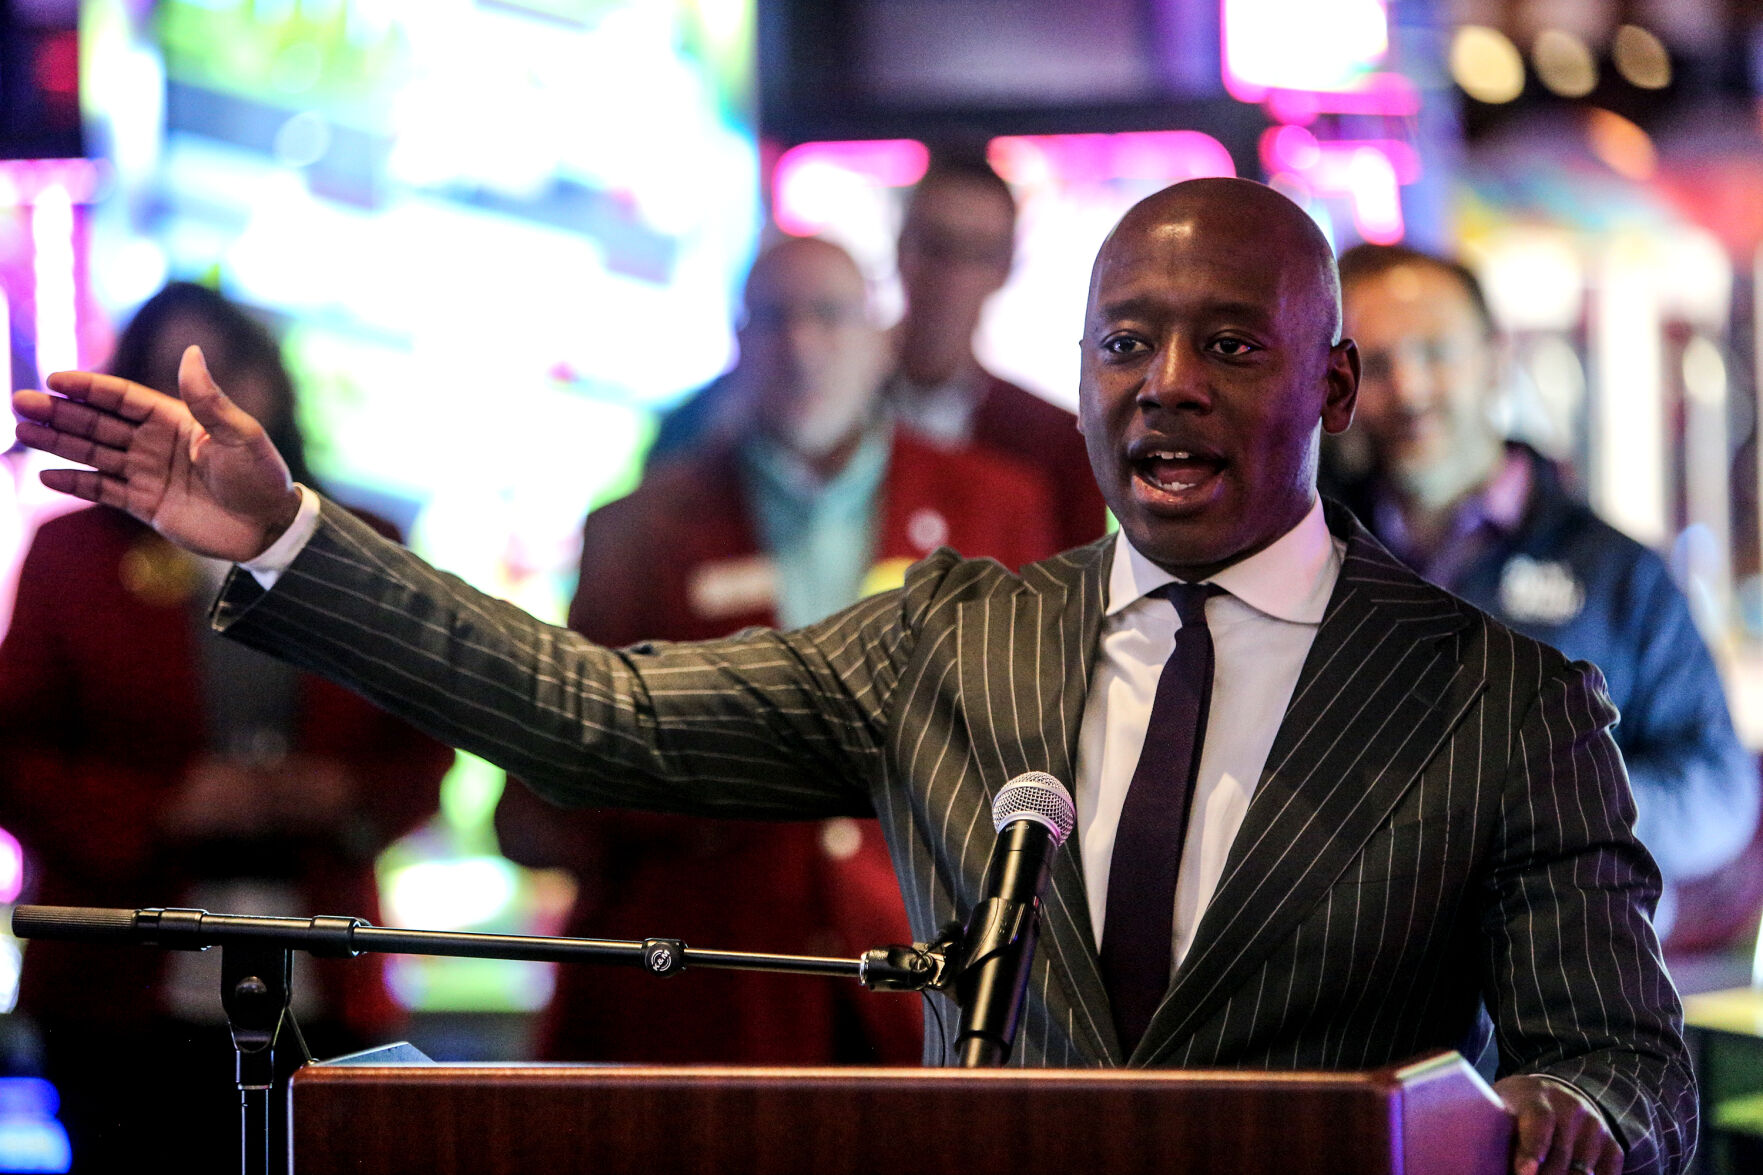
[1189, 599]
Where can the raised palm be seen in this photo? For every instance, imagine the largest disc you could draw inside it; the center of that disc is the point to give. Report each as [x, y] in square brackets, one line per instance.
[200, 471]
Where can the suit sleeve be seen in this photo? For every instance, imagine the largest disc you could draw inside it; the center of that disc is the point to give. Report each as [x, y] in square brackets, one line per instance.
[397, 770]
[1576, 982]
[614, 605]
[760, 725]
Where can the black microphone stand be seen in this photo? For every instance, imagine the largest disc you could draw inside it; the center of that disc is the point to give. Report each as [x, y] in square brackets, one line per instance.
[256, 984]
[257, 970]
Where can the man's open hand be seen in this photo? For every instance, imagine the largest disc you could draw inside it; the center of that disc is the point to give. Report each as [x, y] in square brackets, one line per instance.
[200, 471]
[1560, 1130]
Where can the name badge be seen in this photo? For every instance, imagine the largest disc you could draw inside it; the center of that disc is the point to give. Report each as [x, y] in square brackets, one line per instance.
[733, 587]
[1539, 591]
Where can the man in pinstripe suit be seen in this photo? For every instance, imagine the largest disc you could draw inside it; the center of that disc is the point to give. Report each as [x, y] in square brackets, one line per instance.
[1403, 812]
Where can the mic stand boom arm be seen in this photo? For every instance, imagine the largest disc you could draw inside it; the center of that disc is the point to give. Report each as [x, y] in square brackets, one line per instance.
[894, 968]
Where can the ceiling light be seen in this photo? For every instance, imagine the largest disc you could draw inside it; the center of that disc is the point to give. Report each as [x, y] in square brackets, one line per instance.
[1486, 64]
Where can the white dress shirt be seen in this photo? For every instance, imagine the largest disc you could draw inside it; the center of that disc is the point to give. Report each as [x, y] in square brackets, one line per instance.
[1261, 633]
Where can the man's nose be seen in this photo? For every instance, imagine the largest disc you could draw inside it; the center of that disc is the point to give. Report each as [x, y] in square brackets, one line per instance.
[806, 339]
[1411, 377]
[1177, 377]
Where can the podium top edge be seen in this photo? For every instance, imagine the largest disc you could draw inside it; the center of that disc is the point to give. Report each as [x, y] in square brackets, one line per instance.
[1381, 1080]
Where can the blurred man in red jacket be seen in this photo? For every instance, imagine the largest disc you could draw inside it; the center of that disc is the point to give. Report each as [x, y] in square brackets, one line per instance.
[816, 500]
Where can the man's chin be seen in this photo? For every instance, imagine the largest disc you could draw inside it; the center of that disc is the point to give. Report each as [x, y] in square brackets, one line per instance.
[1186, 548]
[1433, 484]
[1413, 460]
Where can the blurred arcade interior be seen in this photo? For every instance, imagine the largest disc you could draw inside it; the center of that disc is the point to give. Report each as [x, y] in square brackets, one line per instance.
[463, 216]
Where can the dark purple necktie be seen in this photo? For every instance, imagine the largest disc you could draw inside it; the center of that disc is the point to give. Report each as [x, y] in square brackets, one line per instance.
[1138, 924]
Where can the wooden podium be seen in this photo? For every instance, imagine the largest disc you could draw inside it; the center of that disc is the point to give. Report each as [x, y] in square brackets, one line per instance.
[1433, 1116]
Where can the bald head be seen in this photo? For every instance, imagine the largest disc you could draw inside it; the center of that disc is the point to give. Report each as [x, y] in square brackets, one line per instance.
[1254, 218]
[806, 269]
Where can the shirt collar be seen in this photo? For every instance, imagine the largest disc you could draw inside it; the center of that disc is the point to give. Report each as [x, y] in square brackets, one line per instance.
[1290, 579]
[782, 475]
[943, 412]
[1498, 507]
[1508, 492]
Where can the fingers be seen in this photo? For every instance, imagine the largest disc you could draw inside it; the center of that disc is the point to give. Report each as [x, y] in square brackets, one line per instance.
[72, 448]
[1559, 1130]
[30, 404]
[92, 421]
[196, 387]
[1536, 1128]
[1582, 1146]
[98, 420]
[1610, 1159]
[224, 420]
[107, 393]
[75, 431]
[52, 415]
[84, 483]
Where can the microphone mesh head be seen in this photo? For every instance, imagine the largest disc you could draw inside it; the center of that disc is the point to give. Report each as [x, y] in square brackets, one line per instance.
[1037, 796]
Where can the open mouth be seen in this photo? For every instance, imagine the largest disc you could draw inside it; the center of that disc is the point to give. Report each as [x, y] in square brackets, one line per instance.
[1176, 474]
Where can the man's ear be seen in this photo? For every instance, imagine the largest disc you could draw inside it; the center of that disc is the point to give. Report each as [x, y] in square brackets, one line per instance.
[1001, 271]
[1342, 379]
[1082, 376]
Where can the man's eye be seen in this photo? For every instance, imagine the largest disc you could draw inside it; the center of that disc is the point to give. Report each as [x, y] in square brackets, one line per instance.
[1122, 345]
[1233, 348]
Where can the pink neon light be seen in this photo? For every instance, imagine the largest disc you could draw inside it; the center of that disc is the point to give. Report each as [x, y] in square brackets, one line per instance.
[22, 181]
[1289, 148]
[1367, 172]
[1377, 205]
[810, 179]
[1160, 156]
[11, 868]
[1388, 94]
[894, 162]
[1328, 166]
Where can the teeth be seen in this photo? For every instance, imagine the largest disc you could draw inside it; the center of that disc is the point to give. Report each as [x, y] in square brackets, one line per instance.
[1172, 481]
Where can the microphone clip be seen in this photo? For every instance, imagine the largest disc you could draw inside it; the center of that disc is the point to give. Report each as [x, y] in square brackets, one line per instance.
[922, 966]
[664, 956]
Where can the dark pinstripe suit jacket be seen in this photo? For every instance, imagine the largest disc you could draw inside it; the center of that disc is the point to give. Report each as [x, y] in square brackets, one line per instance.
[1443, 819]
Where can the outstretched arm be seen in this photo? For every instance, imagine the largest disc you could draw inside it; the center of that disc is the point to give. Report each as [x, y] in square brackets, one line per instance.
[199, 470]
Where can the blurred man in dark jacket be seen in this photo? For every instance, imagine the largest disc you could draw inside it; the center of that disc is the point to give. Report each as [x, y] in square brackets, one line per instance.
[1492, 521]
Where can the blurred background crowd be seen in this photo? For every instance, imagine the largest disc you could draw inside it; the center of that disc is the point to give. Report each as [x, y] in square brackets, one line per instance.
[778, 296]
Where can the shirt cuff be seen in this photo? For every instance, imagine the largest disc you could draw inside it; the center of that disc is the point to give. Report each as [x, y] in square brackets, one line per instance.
[268, 567]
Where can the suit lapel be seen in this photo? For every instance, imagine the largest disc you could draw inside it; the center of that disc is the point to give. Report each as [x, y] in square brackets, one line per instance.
[1377, 697]
[1025, 668]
